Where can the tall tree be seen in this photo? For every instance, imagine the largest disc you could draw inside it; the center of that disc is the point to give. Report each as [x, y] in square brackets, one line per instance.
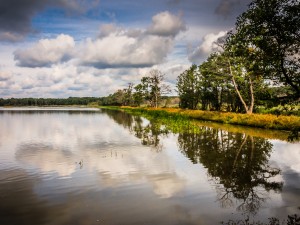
[154, 87]
[231, 66]
[188, 86]
[128, 95]
[246, 68]
[273, 28]
[138, 95]
[216, 86]
[238, 71]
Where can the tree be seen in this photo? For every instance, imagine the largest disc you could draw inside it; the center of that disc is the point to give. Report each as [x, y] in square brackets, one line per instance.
[138, 95]
[216, 86]
[238, 70]
[128, 96]
[244, 64]
[116, 98]
[272, 27]
[188, 86]
[230, 66]
[154, 87]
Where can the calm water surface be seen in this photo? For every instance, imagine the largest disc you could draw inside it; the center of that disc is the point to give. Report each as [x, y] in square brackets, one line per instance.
[79, 166]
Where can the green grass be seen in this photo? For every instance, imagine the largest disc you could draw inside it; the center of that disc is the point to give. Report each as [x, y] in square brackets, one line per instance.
[286, 110]
[174, 122]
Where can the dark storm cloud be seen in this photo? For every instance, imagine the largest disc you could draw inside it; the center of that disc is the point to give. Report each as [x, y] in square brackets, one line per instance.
[16, 15]
[229, 7]
[214, 14]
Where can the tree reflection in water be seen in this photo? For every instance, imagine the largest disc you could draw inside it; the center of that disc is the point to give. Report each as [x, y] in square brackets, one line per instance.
[237, 163]
[149, 133]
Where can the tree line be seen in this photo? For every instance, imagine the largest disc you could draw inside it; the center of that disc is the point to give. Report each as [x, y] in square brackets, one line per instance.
[49, 101]
[257, 63]
[150, 90]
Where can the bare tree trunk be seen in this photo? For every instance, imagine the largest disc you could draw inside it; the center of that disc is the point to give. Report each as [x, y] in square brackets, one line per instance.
[248, 110]
[252, 97]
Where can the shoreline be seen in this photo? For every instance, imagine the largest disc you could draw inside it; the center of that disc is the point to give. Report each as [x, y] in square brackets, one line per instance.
[264, 121]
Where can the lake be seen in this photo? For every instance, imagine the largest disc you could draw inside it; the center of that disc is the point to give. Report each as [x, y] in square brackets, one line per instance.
[89, 166]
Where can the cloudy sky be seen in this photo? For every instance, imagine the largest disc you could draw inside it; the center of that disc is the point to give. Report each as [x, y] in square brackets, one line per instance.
[62, 48]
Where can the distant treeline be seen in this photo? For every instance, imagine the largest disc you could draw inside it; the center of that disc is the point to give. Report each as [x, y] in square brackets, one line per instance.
[49, 101]
[92, 101]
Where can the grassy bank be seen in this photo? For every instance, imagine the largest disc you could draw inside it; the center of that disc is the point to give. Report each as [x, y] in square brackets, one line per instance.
[255, 120]
[164, 121]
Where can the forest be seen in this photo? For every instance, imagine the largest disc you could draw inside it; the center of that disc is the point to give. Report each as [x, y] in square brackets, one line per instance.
[49, 101]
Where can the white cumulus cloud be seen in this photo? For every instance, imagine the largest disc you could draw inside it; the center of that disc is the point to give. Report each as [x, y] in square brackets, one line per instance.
[166, 24]
[117, 47]
[60, 66]
[46, 52]
[121, 50]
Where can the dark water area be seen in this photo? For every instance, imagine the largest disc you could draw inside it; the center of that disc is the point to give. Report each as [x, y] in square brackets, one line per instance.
[88, 166]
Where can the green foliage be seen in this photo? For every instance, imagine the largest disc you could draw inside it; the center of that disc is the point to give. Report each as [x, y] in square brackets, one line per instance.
[138, 95]
[175, 122]
[245, 69]
[272, 28]
[153, 87]
[189, 88]
[286, 109]
[116, 98]
[128, 96]
[218, 89]
[263, 50]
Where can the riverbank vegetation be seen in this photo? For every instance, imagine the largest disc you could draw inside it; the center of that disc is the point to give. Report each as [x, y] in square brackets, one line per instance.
[268, 121]
[180, 121]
